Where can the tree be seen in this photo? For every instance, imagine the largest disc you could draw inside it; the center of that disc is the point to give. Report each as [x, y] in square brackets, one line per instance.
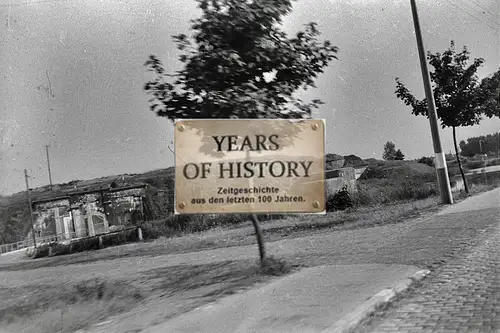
[460, 99]
[426, 160]
[490, 95]
[389, 151]
[489, 144]
[241, 66]
[399, 156]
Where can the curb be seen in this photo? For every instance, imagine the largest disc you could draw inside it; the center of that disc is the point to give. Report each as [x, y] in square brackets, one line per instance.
[351, 320]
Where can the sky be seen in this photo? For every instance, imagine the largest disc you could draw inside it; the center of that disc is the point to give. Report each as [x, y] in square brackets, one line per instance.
[72, 77]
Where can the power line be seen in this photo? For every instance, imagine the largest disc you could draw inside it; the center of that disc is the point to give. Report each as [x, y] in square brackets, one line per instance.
[487, 23]
[471, 15]
[484, 10]
[48, 164]
[32, 3]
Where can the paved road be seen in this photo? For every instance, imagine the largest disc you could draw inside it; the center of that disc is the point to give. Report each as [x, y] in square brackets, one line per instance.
[461, 296]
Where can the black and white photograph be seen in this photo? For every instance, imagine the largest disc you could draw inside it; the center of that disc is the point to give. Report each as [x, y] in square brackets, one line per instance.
[249, 166]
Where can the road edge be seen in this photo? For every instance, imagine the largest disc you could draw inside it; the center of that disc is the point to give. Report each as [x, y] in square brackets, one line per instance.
[354, 318]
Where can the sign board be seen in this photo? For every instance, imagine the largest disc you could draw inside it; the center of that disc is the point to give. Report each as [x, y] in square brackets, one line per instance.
[249, 166]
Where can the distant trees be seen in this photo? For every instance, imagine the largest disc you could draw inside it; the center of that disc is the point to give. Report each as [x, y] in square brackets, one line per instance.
[399, 156]
[480, 145]
[14, 222]
[390, 153]
[461, 100]
[426, 160]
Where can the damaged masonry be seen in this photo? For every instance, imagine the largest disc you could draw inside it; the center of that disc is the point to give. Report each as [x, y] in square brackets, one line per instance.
[90, 213]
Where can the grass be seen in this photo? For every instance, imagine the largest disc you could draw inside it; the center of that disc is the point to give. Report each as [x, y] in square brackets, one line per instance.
[478, 164]
[66, 307]
[73, 306]
[495, 161]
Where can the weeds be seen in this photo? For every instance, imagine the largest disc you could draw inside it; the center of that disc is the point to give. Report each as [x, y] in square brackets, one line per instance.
[178, 225]
[339, 201]
[66, 308]
[476, 164]
[273, 266]
[493, 162]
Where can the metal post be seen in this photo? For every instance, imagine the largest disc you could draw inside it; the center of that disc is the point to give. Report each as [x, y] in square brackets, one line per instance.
[441, 167]
[48, 165]
[31, 209]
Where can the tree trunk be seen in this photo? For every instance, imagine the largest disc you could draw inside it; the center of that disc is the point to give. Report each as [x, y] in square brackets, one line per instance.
[256, 226]
[458, 160]
[260, 239]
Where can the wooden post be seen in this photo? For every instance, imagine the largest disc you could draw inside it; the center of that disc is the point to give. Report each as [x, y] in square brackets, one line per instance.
[31, 208]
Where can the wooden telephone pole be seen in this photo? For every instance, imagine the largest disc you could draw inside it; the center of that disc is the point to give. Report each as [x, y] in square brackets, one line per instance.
[31, 208]
[48, 165]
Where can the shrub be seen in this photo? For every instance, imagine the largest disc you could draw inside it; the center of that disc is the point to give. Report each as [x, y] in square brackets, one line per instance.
[495, 161]
[476, 164]
[41, 251]
[169, 226]
[362, 197]
[120, 237]
[372, 172]
[86, 244]
[61, 249]
[274, 266]
[454, 170]
[175, 225]
[413, 189]
[426, 160]
[339, 201]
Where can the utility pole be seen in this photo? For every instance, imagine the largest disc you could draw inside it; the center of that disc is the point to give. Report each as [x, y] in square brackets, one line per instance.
[441, 167]
[48, 165]
[31, 209]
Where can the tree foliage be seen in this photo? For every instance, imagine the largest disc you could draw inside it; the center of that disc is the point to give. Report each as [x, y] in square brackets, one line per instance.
[14, 223]
[399, 156]
[236, 46]
[460, 98]
[489, 143]
[490, 94]
[426, 160]
[390, 153]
